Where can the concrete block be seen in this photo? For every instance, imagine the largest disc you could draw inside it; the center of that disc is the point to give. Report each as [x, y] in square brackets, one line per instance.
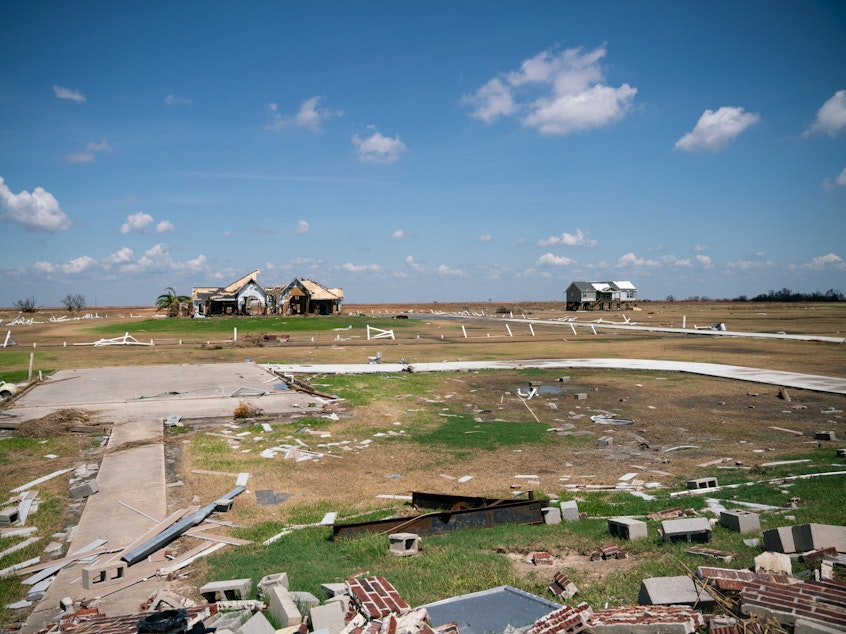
[692, 529]
[581, 396]
[329, 616]
[605, 441]
[404, 544]
[702, 483]
[627, 528]
[818, 536]
[267, 581]
[681, 590]
[231, 620]
[343, 599]
[570, 511]
[304, 600]
[334, 589]
[83, 490]
[825, 435]
[551, 515]
[257, 624]
[740, 521]
[841, 453]
[778, 563]
[104, 574]
[779, 540]
[283, 607]
[229, 590]
[9, 515]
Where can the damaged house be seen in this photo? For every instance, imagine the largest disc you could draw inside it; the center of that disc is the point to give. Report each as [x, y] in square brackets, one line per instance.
[245, 296]
[601, 295]
[305, 297]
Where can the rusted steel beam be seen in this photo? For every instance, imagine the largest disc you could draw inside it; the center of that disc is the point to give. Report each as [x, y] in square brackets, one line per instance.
[499, 513]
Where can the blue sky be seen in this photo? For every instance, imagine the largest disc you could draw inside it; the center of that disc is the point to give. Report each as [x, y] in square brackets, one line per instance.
[421, 151]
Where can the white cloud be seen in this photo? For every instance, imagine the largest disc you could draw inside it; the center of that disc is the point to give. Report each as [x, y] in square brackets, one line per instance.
[630, 260]
[573, 97]
[485, 237]
[121, 256]
[672, 260]
[699, 248]
[409, 260]
[157, 259]
[137, 222]
[310, 116]
[87, 155]
[715, 131]
[360, 268]
[831, 117]
[173, 100]
[579, 239]
[550, 259]
[750, 265]
[491, 101]
[303, 228]
[705, 261]
[71, 267]
[399, 234]
[448, 271]
[378, 148]
[68, 94]
[164, 226]
[36, 211]
[839, 181]
[830, 262]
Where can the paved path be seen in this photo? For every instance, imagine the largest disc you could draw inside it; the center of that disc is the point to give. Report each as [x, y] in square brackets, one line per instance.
[757, 375]
[136, 400]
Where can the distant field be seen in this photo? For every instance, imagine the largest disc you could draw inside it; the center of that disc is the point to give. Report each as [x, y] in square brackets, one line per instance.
[343, 338]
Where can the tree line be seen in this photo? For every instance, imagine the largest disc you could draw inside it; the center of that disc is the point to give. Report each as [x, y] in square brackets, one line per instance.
[784, 295]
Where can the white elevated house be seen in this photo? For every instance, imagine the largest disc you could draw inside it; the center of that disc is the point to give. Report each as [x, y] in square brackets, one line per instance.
[618, 295]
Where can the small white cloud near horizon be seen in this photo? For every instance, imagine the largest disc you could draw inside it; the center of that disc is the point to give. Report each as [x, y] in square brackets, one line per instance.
[173, 100]
[705, 261]
[715, 131]
[447, 271]
[68, 94]
[36, 211]
[360, 268]
[136, 223]
[164, 226]
[303, 228]
[121, 256]
[630, 260]
[485, 237]
[377, 148]
[578, 239]
[550, 259]
[310, 116]
[574, 98]
[831, 117]
[829, 262]
[745, 264]
[838, 181]
[399, 234]
[71, 267]
[409, 260]
[87, 155]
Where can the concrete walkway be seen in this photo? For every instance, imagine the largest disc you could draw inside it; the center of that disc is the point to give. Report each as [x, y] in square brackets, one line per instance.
[132, 495]
[814, 382]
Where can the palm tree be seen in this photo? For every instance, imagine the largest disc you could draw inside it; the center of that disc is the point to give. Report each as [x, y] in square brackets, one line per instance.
[171, 302]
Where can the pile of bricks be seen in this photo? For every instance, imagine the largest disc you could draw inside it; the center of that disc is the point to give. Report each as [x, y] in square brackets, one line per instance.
[730, 580]
[816, 601]
[609, 551]
[376, 597]
[663, 618]
[542, 558]
[567, 620]
[563, 587]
